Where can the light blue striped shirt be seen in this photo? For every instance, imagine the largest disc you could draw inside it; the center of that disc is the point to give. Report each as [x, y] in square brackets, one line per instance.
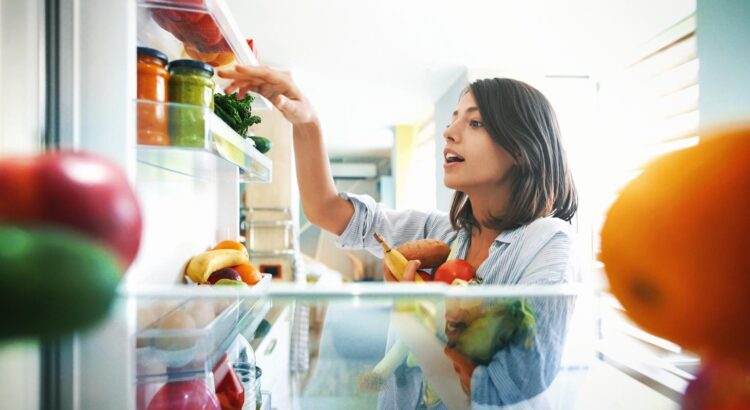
[537, 253]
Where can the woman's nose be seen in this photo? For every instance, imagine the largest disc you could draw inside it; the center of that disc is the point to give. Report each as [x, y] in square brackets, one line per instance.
[449, 134]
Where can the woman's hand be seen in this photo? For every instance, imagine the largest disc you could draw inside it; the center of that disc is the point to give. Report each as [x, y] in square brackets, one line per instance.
[463, 366]
[274, 85]
[409, 273]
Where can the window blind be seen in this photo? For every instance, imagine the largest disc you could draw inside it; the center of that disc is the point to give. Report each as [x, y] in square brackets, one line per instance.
[646, 109]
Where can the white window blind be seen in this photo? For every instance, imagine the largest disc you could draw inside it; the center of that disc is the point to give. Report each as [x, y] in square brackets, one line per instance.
[647, 109]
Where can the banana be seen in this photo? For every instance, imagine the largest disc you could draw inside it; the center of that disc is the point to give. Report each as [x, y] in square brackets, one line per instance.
[395, 261]
[201, 266]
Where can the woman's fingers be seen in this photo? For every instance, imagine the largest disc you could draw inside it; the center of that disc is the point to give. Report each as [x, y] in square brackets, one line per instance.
[277, 87]
[232, 87]
[387, 275]
[409, 273]
[262, 76]
[261, 72]
[411, 270]
[232, 74]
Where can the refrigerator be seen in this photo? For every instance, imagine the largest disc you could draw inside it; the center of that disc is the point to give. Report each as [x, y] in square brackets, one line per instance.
[318, 341]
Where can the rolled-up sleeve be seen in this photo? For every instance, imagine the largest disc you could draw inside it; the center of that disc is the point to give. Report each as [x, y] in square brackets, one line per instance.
[396, 227]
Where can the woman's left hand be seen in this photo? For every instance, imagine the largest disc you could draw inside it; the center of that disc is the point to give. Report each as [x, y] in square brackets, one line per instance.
[463, 366]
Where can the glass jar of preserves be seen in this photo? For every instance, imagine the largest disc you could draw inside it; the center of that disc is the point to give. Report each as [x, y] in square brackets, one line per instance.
[192, 86]
[152, 95]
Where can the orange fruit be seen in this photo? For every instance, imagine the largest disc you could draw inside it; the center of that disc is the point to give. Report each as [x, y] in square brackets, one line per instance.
[249, 273]
[228, 244]
[238, 246]
[676, 246]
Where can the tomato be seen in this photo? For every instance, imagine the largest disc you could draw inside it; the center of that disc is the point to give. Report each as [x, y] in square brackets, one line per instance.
[204, 33]
[454, 269]
[161, 18]
[77, 190]
[220, 47]
[186, 15]
[179, 16]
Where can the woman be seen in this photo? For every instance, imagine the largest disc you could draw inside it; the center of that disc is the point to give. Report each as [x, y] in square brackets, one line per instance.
[509, 218]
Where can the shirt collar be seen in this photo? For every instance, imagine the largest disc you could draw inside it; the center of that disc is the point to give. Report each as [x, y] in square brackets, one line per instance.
[507, 236]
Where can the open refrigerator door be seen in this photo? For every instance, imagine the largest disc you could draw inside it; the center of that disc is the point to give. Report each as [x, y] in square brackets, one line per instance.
[188, 195]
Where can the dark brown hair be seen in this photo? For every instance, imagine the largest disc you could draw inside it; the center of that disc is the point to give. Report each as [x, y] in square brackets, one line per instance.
[521, 120]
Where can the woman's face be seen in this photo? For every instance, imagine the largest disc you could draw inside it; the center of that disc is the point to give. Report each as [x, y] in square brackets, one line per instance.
[472, 160]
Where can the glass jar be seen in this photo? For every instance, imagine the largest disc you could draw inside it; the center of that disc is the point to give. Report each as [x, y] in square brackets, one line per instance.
[190, 84]
[152, 86]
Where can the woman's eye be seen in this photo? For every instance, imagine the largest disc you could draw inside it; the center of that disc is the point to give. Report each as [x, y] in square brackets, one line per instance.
[475, 124]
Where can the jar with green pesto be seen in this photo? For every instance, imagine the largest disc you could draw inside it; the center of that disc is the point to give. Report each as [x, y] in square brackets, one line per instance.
[190, 83]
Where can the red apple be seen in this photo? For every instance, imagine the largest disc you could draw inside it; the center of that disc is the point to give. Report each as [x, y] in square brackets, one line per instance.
[226, 273]
[78, 190]
[454, 269]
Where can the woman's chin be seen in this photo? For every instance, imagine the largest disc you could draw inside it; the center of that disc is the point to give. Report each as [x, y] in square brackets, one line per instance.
[451, 183]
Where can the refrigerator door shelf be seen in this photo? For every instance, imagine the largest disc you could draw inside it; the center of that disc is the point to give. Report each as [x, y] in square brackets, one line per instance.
[212, 144]
[163, 349]
[199, 30]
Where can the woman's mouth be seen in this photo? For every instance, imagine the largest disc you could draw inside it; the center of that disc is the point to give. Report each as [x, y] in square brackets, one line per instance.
[452, 159]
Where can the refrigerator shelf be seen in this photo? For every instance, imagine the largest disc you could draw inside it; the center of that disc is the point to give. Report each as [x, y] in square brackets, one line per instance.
[196, 29]
[169, 351]
[210, 143]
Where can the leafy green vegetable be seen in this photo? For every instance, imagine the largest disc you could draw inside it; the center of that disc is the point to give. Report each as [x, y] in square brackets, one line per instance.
[497, 327]
[236, 113]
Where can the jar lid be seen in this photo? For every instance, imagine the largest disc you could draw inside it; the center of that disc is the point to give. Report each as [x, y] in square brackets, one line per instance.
[153, 53]
[192, 64]
[258, 373]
